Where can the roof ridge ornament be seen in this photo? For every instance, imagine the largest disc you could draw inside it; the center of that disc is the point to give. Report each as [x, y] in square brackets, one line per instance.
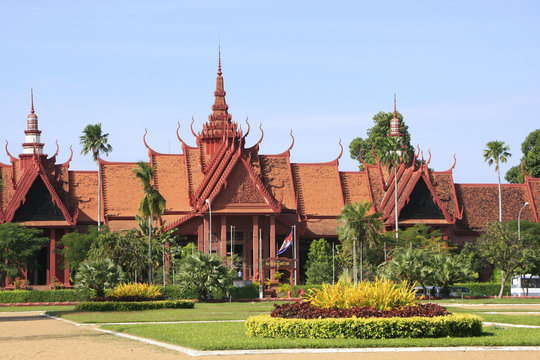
[192, 121]
[292, 144]
[249, 127]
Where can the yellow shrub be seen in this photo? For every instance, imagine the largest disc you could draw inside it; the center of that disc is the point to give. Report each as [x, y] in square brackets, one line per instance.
[380, 294]
[136, 290]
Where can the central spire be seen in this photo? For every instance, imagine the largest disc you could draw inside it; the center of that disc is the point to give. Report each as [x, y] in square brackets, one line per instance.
[394, 123]
[220, 107]
[32, 134]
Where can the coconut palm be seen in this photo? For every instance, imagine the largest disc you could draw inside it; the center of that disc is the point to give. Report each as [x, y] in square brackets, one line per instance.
[356, 222]
[152, 205]
[94, 141]
[497, 152]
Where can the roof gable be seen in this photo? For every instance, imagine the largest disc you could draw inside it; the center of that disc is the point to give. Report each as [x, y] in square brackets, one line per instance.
[421, 204]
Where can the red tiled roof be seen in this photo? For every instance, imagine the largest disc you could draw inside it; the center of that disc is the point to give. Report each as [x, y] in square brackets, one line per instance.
[121, 190]
[355, 187]
[276, 174]
[172, 181]
[318, 188]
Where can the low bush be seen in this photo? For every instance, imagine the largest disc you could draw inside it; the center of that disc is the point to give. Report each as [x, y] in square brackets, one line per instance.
[246, 292]
[134, 306]
[136, 292]
[39, 296]
[305, 310]
[14, 296]
[175, 292]
[459, 325]
[61, 295]
[296, 288]
[488, 289]
[380, 294]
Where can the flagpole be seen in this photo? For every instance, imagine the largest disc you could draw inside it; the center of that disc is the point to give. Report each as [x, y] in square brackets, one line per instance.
[294, 255]
[261, 278]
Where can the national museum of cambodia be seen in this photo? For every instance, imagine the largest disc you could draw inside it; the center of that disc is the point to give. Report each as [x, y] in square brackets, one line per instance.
[243, 190]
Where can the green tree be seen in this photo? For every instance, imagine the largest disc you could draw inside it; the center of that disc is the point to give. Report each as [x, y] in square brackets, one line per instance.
[94, 277]
[496, 152]
[126, 249]
[18, 246]
[376, 138]
[319, 262]
[356, 223]
[500, 247]
[152, 204]
[94, 141]
[421, 236]
[203, 273]
[410, 264]
[74, 248]
[531, 159]
[448, 269]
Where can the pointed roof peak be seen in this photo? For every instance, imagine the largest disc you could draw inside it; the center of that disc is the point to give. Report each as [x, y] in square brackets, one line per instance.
[32, 100]
[395, 107]
[219, 61]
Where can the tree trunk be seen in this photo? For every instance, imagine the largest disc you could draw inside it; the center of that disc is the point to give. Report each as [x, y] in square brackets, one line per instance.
[504, 278]
[150, 249]
[99, 197]
[500, 202]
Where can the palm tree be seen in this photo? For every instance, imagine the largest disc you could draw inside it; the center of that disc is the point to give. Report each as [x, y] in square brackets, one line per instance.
[356, 223]
[495, 152]
[394, 152]
[94, 141]
[152, 204]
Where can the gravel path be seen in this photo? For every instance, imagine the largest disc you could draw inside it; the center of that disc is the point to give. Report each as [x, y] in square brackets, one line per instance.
[28, 335]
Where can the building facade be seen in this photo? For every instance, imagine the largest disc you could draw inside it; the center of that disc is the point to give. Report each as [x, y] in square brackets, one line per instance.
[218, 188]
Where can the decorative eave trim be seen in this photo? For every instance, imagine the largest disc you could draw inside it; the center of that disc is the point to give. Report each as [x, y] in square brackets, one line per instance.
[263, 190]
[27, 180]
[180, 221]
[532, 202]
[184, 144]
[436, 198]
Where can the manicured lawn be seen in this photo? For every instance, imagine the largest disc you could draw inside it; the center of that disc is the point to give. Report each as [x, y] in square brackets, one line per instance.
[229, 336]
[202, 311]
[485, 301]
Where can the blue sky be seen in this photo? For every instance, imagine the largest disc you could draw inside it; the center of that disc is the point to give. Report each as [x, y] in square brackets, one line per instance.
[465, 73]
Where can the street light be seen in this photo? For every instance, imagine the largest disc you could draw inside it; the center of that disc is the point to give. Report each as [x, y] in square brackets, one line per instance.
[519, 219]
[210, 228]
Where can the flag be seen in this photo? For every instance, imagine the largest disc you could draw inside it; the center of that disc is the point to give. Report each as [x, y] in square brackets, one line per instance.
[287, 243]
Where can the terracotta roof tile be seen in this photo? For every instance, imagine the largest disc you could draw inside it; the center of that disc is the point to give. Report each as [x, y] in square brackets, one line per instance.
[376, 183]
[83, 191]
[319, 188]
[172, 181]
[320, 228]
[123, 191]
[195, 174]
[355, 186]
[444, 187]
[277, 177]
[481, 204]
[534, 185]
[7, 192]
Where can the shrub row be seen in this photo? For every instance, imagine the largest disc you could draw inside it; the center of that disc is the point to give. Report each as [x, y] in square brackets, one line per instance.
[458, 325]
[133, 306]
[247, 292]
[36, 296]
[306, 310]
[489, 289]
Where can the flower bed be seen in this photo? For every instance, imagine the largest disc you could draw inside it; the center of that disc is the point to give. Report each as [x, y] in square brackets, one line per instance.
[459, 325]
[305, 310]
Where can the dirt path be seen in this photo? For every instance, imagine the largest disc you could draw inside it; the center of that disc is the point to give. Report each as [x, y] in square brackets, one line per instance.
[27, 335]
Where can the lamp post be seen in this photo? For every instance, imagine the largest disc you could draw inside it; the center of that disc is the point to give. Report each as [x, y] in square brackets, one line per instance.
[210, 226]
[519, 219]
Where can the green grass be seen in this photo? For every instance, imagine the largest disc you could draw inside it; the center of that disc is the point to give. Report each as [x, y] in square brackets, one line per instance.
[202, 311]
[37, 308]
[485, 301]
[212, 337]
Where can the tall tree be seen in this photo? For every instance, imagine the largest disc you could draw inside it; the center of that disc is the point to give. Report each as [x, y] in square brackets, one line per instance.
[356, 222]
[499, 245]
[496, 152]
[531, 159]
[376, 138]
[152, 204]
[18, 246]
[94, 141]
[319, 262]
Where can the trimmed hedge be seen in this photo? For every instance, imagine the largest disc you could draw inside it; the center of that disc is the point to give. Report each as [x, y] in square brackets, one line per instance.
[490, 289]
[458, 325]
[38, 296]
[174, 292]
[134, 306]
[246, 292]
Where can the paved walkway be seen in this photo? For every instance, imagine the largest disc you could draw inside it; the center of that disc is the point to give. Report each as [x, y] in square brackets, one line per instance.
[28, 335]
